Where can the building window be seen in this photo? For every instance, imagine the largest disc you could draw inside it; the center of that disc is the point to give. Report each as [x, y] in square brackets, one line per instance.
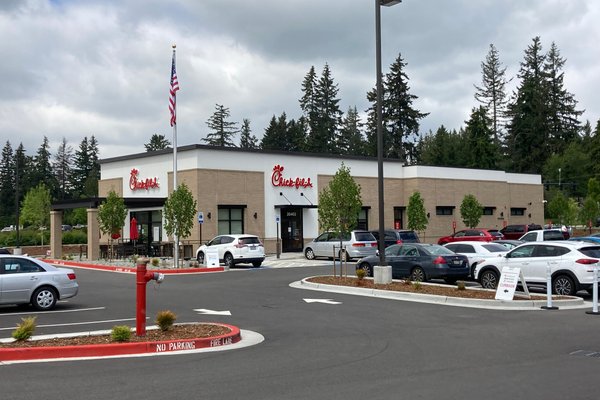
[444, 210]
[231, 220]
[363, 219]
[517, 212]
[488, 210]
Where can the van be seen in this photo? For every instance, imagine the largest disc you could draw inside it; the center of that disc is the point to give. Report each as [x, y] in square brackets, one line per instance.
[514, 232]
[397, 236]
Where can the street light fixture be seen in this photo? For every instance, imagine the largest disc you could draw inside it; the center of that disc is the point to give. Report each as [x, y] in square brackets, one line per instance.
[381, 244]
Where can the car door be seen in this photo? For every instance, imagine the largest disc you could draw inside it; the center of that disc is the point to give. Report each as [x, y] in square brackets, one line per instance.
[520, 257]
[392, 257]
[19, 278]
[321, 245]
[544, 255]
[407, 258]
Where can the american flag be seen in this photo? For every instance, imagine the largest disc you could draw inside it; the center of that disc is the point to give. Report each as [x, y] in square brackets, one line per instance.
[174, 88]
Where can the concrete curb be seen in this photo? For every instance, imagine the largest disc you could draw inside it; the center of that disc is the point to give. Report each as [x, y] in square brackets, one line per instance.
[119, 349]
[572, 303]
[131, 269]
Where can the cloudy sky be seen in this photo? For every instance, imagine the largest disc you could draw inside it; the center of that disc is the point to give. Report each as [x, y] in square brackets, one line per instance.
[76, 68]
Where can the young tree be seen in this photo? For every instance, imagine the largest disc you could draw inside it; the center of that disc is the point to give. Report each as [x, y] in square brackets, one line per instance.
[471, 211]
[340, 203]
[111, 216]
[35, 210]
[222, 130]
[157, 142]
[417, 216]
[492, 92]
[247, 139]
[179, 212]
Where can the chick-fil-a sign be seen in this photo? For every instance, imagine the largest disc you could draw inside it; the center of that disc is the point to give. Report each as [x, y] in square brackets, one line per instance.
[144, 184]
[278, 180]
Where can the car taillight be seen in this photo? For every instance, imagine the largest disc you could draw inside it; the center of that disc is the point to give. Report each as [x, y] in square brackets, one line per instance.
[71, 276]
[587, 261]
[439, 260]
[399, 241]
[358, 245]
[374, 244]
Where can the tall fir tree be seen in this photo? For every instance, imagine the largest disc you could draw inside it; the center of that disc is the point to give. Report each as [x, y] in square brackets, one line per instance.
[157, 142]
[350, 140]
[222, 130]
[492, 92]
[7, 185]
[275, 136]
[527, 137]
[563, 119]
[81, 168]
[23, 168]
[247, 139]
[297, 132]
[479, 139]
[42, 168]
[308, 102]
[63, 170]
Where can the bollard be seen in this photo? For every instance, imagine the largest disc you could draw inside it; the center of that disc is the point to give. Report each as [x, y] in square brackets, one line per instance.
[549, 305]
[595, 293]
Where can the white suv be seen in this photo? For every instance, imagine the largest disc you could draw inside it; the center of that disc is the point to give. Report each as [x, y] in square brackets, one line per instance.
[571, 265]
[235, 249]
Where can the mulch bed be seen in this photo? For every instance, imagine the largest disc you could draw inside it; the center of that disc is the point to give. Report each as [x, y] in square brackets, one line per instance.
[186, 331]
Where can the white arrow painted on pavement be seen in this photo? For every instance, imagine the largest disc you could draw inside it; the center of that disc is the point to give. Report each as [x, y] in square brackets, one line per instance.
[211, 312]
[324, 301]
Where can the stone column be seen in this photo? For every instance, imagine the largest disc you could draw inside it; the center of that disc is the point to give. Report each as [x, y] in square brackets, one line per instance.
[56, 218]
[93, 234]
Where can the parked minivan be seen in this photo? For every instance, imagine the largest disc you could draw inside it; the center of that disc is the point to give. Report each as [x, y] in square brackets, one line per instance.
[514, 232]
[356, 244]
[397, 236]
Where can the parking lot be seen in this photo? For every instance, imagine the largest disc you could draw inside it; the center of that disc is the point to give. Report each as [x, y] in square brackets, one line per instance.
[317, 345]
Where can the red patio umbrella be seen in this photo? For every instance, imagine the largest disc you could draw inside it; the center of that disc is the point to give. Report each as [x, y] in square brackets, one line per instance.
[133, 230]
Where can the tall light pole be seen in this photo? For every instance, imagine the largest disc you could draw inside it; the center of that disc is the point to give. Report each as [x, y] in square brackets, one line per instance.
[381, 244]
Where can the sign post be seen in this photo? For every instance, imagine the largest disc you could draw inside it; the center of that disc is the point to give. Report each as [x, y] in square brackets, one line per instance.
[549, 305]
[200, 222]
[277, 244]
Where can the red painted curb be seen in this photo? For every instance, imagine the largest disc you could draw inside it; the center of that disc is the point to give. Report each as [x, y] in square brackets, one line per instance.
[131, 269]
[116, 349]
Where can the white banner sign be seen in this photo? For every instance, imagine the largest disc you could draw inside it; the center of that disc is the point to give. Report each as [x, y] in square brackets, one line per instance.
[508, 283]
[211, 257]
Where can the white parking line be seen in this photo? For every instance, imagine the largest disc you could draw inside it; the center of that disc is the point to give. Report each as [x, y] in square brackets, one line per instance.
[53, 312]
[77, 323]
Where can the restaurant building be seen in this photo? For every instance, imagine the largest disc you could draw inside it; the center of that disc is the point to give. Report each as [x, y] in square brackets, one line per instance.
[275, 195]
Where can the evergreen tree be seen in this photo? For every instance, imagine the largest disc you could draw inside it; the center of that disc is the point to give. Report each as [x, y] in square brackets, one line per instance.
[275, 136]
[350, 140]
[7, 185]
[527, 138]
[157, 142]
[91, 185]
[42, 168]
[247, 139]
[297, 132]
[222, 130]
[482, 150]
[443, 149]
[81, 168]
[23, 164]
[63, 170]
[594, 149]
[492, 92]
[563, 122]
[400, 119]
[308, 102]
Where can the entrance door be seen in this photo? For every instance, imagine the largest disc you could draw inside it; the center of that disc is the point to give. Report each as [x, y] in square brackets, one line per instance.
[292, 238]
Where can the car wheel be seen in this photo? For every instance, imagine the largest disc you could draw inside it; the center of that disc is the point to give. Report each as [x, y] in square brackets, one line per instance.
[257, 264]
[228, 260]
[309, 254]
[367, 268]
[44, 298]
[418, 275]
[563, 285]
[489, 279]
[200, 258]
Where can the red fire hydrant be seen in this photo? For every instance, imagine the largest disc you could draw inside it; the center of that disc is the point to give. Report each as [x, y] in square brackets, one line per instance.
[142, 277]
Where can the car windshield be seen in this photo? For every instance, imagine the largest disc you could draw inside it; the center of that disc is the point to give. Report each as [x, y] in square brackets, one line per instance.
[438, 250]
[592, 251]
[494, 247]
[364, 237]
[249, 240]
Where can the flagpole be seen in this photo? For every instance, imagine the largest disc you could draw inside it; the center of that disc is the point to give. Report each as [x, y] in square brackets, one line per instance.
[173, 92]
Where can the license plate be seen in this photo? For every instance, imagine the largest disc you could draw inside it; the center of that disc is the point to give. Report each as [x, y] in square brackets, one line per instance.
[457, 262]
[253, 248]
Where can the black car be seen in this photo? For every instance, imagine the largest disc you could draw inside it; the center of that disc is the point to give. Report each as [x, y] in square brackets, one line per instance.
[397, 236]
[420, 262]
[4, 251]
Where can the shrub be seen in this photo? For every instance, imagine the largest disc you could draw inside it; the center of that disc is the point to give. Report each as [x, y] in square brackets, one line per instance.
[461, 285]
[25, 329]
[121, 333]
[360, 274]
[165, 319]
[417, 285]
[155, 261]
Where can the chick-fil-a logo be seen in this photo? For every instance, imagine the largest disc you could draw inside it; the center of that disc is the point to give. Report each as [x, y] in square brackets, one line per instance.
[145, 184]
[278, 180]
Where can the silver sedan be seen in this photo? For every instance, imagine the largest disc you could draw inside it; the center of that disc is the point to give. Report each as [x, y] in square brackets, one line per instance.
[26, 280]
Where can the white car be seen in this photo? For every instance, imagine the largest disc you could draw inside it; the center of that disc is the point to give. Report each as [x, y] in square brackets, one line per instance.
[26, 280]
[571, 264]
[477, 252]
[235, 249]
[355, 244]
